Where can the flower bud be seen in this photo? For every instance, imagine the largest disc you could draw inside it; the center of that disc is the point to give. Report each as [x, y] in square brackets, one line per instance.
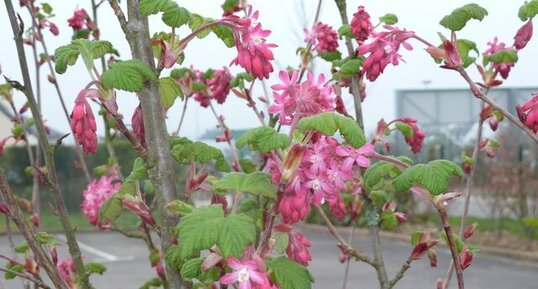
[469, 231]
[523, 35]
[4, 209]
[292, 160]
[466, 258]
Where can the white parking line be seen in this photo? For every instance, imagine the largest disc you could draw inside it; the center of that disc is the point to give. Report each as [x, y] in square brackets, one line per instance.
[104, 256]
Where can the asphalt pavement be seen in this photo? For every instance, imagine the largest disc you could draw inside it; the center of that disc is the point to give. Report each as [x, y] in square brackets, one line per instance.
[128, 265]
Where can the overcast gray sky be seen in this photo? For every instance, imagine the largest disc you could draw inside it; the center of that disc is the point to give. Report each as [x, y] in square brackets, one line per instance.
[285, 19]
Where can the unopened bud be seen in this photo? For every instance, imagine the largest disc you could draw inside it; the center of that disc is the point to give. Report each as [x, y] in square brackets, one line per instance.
[292, 160]
[523, 35]
[469, 231]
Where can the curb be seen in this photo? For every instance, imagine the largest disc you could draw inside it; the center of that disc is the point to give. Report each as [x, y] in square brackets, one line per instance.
[514, 255]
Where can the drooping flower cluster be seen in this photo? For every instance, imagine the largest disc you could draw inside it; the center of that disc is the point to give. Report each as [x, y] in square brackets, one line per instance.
[95, 195]
[322, 37]
[361, 26]
[83, 123]
[297, 248]
[384, 50]
[528, 113]
[416, 139]
[254, 55]
[294, 100]
[80, 19]
[248, 273]
[321, 175]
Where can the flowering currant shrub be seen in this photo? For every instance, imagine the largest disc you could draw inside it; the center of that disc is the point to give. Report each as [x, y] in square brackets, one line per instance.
[311, 154]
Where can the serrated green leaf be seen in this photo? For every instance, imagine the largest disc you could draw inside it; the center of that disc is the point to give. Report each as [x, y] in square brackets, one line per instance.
[139, 170]
[389, 19]
[148, 7]
[94, 268]
[289, 274]
[257, 183]
[460, 16]
[345, 31]
[504, 56]
[376, 173]
[169, 90]
[263, 139]
[247, 205]
[174, 258]
[388, 219]
[128, 75]
[175, 16]
[350, 68]
[329, 123]
[281, 242]
[433, 176]
[191, 269]
[64, 56]
[237, 231]
[331, 56]
[225, 34]
[464, 48]
[405, 129]
[185, 151]
[179, 207]
[111, 209]
[247, 165]
[378, 197]
[528, 10]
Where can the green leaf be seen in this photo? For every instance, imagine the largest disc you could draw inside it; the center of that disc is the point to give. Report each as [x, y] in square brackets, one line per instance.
[459, 17]
[22, 247]
[191, 269]
[179, 207]
[196, 21]
[45, 238]
[46, 8]
[90, 50]
[184, 151]
[247, 205]
[112, 207]
[247, 165]
[329, 123]
[173, 257]
[457, 241]
[504, 56]
[405, 129]
[289, 274]
[139, 170]
[64, 56]
[389, 19]
[281, 242]
[229, 5]
[94, 268]
[433, 176]
[99, 48]
[350, 68]
[257, 183]
[225, 34]
[528, 10]
[128, 75]
[175, 16]
[376, 173]
[331, 56]
[388, 219]
[13, 267]
[208, 226]
[263, 139]
[415, 237]
[152, 283]
[345, 31]
[464, 47]
[148, 7]
[169, 90]
[378, 197]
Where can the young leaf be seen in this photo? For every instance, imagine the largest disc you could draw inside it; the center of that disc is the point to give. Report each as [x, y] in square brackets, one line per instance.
[229, 5]
[179, 207]
[175, 16]
[191, 269]
[350, 68]
[528, 10]
[405, 129]
[128, 75]
[64, 56]
[389, 19]
[169, 90]
[459, 17]
[329, 123]
[345, 31]
[433, 176]
[139, 170]
[281, 242]
[504, 56]
[289, 274]
[148, 7]
[94, 268]
[263, 139]
[237, 231]
[375, 174]
[196, 21]
[331, 56]
[388, 219]
[184, 151]
[225, 34]
[464, 47]
[257, 183]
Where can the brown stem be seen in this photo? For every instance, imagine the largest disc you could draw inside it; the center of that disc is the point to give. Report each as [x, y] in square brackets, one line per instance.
[482, 96]
[28, 233]
[55, 189]
[400, 273]
[37, 282]
[348, 261]
[161, 173]
[451, 244]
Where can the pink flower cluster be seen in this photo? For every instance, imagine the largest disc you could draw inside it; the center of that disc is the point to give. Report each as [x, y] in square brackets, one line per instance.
[528, 113]
[80, 19]
[67, 270]
[83, 123]
[322, 37]
[361, 26]
[416, 140]
[95, 195]
[248, 273]
[254, 55]
[211, 85]
[322, 174]
[384, 50]
[295, 100]
[298, 248]
[502, 68]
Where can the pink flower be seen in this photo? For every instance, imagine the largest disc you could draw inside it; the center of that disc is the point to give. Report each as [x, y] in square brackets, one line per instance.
[219, 84]
[246, 273]
[95, 195]
[311, 97]
[354, 156]
[502, 68]
[528, 113]
[83, 123]
[298, 248]
[78, 19]
[323, 38]
[384, 50]
[361, 26]
[337, 207]
[254, 55]
[416, 140]
[294, 205]
[67, 270]
[137, 122]
[523, 35]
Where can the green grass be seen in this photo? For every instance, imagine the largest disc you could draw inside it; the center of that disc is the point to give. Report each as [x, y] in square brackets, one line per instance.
[50, 222]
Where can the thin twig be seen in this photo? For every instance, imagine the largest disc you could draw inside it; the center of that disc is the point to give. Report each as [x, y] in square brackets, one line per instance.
[400, 273]
[37, 282]
[451, 244]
